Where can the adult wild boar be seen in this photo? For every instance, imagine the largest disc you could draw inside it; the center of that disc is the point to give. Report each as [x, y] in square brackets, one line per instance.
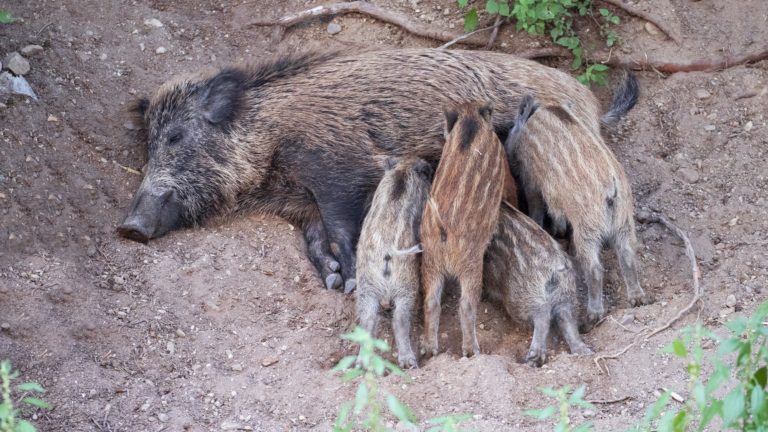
[295, 136]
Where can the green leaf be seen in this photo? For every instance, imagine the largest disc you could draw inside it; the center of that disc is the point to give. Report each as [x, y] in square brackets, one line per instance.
[402, 412]
[738, 325]
[492, 7]
[6, 17]
[604, 12]
[351, 374]
[708, 413]
[540, 414]
[586, 427]
[24, 426]
[615, 20]
[344, 364]
[470, 21]
[679, 422]
[462, 3]
[361, 398]
[377, 364]
[699, 395]
[602, 68]
[761, 376]
[394, 369]
[733, 406]
[342, 423]
[667, 421]
[30, 386]
[545, 12]
[757, 400]
[36, 402]
[504, 9]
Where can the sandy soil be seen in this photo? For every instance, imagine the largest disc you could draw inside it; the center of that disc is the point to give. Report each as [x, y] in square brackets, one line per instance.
[228, 327]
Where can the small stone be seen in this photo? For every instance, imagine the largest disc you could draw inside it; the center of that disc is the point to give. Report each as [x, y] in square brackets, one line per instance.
[237, 367]
[733, 221]
[103, 56]
[297, 279]
[627, 319]
[725, 312]
[446, 11]
[129, 125]
[334, 28]
[153, 22]
[748, 127]
[171, 347]
[710, 128]
[145, 406]
[91, 251]
[269, 361]
[161, 50]
[730, 301]
[5, 326]
[651, 28]
[701, 93]
[119, 280]
[17, 64]
[31, 50]
[588, 413]
[163, 417]
[180, 333]
[689, 175]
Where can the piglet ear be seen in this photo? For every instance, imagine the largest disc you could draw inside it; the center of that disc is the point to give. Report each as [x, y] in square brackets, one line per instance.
[451, 116]
[222, 96]
[486, 111]
[424, 169]
[389, 163]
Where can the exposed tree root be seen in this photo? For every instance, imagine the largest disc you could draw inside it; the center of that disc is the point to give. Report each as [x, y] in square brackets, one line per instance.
[644, 15]
[465, 36]
[362, 7]
[495, 32]
[689, 252]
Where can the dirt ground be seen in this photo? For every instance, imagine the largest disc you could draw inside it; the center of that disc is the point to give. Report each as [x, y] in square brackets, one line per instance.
[227, 327]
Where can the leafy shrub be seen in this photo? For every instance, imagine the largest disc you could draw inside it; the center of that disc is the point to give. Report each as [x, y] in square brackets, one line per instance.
[9, 421]
[565, 401]
[366, 411]
[553, 17]
[6, 17]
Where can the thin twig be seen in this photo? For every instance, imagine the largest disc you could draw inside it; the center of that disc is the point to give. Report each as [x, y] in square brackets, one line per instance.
[604, 367]
[620, 324]
[609, 401]
[494, 33]
[364, 8]
[464, 36]
[697, 293]
[43, 28]
[644, 15]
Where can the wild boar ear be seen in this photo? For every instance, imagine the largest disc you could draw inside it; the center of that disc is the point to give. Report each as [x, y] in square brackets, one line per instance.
[389, 163]
[424, 169]
[486, 111]
[451, 117]
[139, 109]
[222, 96]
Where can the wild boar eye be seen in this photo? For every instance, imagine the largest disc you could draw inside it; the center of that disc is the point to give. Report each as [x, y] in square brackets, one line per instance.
[175, 137]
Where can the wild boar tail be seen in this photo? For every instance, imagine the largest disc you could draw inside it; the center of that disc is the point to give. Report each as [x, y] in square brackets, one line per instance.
[624, 99]
[413, 250]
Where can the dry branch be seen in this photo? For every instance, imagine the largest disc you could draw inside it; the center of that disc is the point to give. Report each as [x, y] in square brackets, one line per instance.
[494, 33]
[697, 293]
[644, 15]
[604, 367]
[364, 8]
[464, 36]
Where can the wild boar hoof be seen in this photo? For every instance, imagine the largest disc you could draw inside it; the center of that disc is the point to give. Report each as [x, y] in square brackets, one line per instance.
[350, 286]
[582, 350]
[333, 281]
[536, 357]
[333, 266]
[408, 361]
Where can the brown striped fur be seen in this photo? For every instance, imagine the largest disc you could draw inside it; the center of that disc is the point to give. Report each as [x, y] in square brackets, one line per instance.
[528, 271]
[460, 218]
[568, 172]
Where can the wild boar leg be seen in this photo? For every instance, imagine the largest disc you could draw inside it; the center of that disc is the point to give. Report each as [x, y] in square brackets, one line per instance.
[586, 254]
[536, 206]
[471, 289]
[432, 283]
[537, 354]
[568, 328]
[342, 222]
[401, 325]
[368, 312]
[319, 252]
[625, 252]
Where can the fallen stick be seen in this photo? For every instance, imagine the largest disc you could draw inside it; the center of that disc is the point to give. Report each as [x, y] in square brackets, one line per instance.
[364, 8]
[609, 401]
[604, 367]
[697, 293]
[494, 33]
[464, 36]
[644, 15]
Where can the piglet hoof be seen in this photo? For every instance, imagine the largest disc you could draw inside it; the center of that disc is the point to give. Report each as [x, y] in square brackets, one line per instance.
[536, 357]
[408, 361]
[427, 350]
[582, 350]
[594, 314]
[639, 300]
[350, 286]
[333, 266]
[333, 281]
[469, 351]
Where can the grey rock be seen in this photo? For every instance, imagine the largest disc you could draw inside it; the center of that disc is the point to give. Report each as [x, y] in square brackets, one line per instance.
[334, 28]
[651, 29]
[688, 174]
[15, 85]
[5, 326]
[17, 64]
[163, 417]
[627, 319]
[710, 128]
[701, 93]
[730, 301]
[31, 50]
[237, 367]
